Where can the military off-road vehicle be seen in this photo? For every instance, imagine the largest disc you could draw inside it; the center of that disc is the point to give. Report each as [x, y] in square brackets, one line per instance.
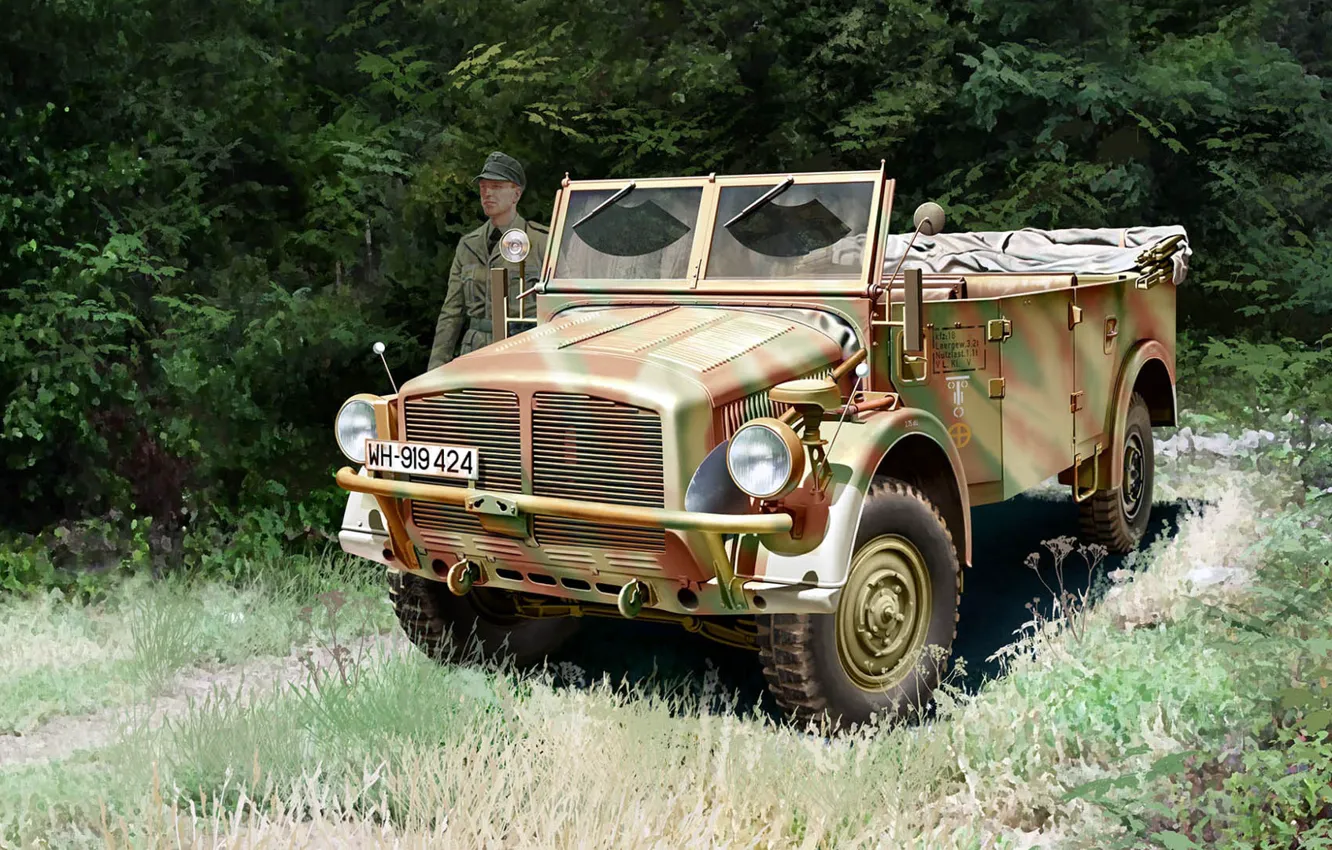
[747, 408]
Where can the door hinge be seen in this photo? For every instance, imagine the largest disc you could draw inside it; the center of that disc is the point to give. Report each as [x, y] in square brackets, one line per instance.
[1074, 316]
[998, 330]
[1075, 401]
[996, 388]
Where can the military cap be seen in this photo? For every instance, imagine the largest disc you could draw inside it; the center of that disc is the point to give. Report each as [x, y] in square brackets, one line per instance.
[501, 166]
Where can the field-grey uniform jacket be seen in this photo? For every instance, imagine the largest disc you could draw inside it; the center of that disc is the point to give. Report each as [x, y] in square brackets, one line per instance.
[464, 321]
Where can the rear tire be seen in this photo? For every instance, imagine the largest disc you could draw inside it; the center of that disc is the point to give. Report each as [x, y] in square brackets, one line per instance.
[449, 628]
[869, 657]
[1118, 518]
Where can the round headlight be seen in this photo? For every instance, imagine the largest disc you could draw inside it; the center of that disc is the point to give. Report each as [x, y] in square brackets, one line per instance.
[765, 459]
[514, 245]
[356, 424]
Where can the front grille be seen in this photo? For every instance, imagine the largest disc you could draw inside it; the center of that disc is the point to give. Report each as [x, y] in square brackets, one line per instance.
[596, 450]
[753, 406]
[757, 405]
[486, 420]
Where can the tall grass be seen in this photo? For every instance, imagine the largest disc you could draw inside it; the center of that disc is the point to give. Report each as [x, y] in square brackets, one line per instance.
[402, 752]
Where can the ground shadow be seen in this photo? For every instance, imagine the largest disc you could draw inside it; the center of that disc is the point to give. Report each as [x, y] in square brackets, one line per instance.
[665, 659]
[999, 585]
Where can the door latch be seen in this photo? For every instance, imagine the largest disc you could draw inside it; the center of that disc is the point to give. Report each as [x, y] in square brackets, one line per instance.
[998, 330]
[1111, 331]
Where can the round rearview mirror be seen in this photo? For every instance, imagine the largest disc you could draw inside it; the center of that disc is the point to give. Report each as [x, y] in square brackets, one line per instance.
[514, 246]
[931, 215]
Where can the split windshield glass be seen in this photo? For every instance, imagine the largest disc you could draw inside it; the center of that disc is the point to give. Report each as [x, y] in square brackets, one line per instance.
[805, 232]
[646, 234]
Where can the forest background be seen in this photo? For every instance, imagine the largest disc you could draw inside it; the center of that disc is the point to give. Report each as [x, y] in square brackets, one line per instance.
[209, 211]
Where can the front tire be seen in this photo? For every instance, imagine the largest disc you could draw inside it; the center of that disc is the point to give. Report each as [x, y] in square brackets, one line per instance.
[1118, 518]
[449, 628]
[870, 657]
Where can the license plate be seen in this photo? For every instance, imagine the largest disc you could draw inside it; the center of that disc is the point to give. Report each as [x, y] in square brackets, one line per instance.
[422, 459]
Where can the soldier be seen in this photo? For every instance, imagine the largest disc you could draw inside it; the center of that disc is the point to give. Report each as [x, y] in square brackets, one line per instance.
[464, 321]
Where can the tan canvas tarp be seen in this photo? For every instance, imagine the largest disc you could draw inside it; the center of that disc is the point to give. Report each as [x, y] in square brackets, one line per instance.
[1076, 250]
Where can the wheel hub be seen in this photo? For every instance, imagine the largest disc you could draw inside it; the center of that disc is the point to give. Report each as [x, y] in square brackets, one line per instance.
[884, 613]
[1135, 477]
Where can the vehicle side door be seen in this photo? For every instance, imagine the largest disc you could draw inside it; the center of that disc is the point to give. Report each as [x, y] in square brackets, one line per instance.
[1038, 380]
[1098, 352]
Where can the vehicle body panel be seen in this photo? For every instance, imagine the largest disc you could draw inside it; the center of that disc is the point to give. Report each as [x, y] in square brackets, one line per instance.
[626, 385]
[860, 447]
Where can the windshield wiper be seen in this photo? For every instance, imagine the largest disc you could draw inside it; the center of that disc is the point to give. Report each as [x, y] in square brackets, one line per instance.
[612, 200]
[757, 205]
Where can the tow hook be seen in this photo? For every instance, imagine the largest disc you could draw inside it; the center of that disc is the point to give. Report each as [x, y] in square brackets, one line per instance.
[462, 576]
[631, 598]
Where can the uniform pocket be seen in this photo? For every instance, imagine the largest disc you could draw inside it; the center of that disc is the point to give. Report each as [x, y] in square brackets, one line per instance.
[473, 286]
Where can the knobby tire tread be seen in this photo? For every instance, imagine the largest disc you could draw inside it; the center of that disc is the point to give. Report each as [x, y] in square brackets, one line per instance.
[784, 639]
[417, 615]
[1100, 518]
[1101, 521]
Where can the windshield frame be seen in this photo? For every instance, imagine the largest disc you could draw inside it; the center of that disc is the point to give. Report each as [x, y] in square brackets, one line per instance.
[696, 279]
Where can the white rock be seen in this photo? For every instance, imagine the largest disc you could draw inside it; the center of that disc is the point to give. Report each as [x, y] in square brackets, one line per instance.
[1206, 576]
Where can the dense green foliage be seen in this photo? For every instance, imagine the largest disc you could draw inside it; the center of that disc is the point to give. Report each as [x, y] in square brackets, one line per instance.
[208, 212]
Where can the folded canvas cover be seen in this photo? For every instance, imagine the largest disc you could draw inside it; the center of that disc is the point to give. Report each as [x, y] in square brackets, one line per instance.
[1075, 250]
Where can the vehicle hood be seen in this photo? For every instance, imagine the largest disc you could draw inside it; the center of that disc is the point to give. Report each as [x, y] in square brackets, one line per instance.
[657, 356]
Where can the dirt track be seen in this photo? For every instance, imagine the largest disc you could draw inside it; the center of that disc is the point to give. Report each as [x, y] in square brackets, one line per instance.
[64, 736]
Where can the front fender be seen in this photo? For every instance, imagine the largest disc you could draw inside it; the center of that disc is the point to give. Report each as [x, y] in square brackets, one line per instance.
[363, 532]
[857, 453]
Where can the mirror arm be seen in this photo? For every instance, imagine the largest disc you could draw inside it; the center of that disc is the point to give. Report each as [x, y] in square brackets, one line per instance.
[902, 259]
[522, 302]
[913, 340]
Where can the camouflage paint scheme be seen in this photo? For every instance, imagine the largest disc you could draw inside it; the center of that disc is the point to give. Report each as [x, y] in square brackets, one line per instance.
[992, 414]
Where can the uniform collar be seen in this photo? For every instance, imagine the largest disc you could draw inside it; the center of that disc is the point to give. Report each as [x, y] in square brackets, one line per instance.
[488, 228]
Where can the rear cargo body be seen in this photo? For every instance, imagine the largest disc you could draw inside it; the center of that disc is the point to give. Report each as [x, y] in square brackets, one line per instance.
[1023, 370]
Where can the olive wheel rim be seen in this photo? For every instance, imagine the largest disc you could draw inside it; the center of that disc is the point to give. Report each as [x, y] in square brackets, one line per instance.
[1135, 477]
[883, 616]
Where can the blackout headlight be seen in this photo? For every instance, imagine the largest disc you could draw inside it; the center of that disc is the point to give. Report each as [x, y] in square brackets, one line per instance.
[514, 245]
[355, 425]
[765, 459]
